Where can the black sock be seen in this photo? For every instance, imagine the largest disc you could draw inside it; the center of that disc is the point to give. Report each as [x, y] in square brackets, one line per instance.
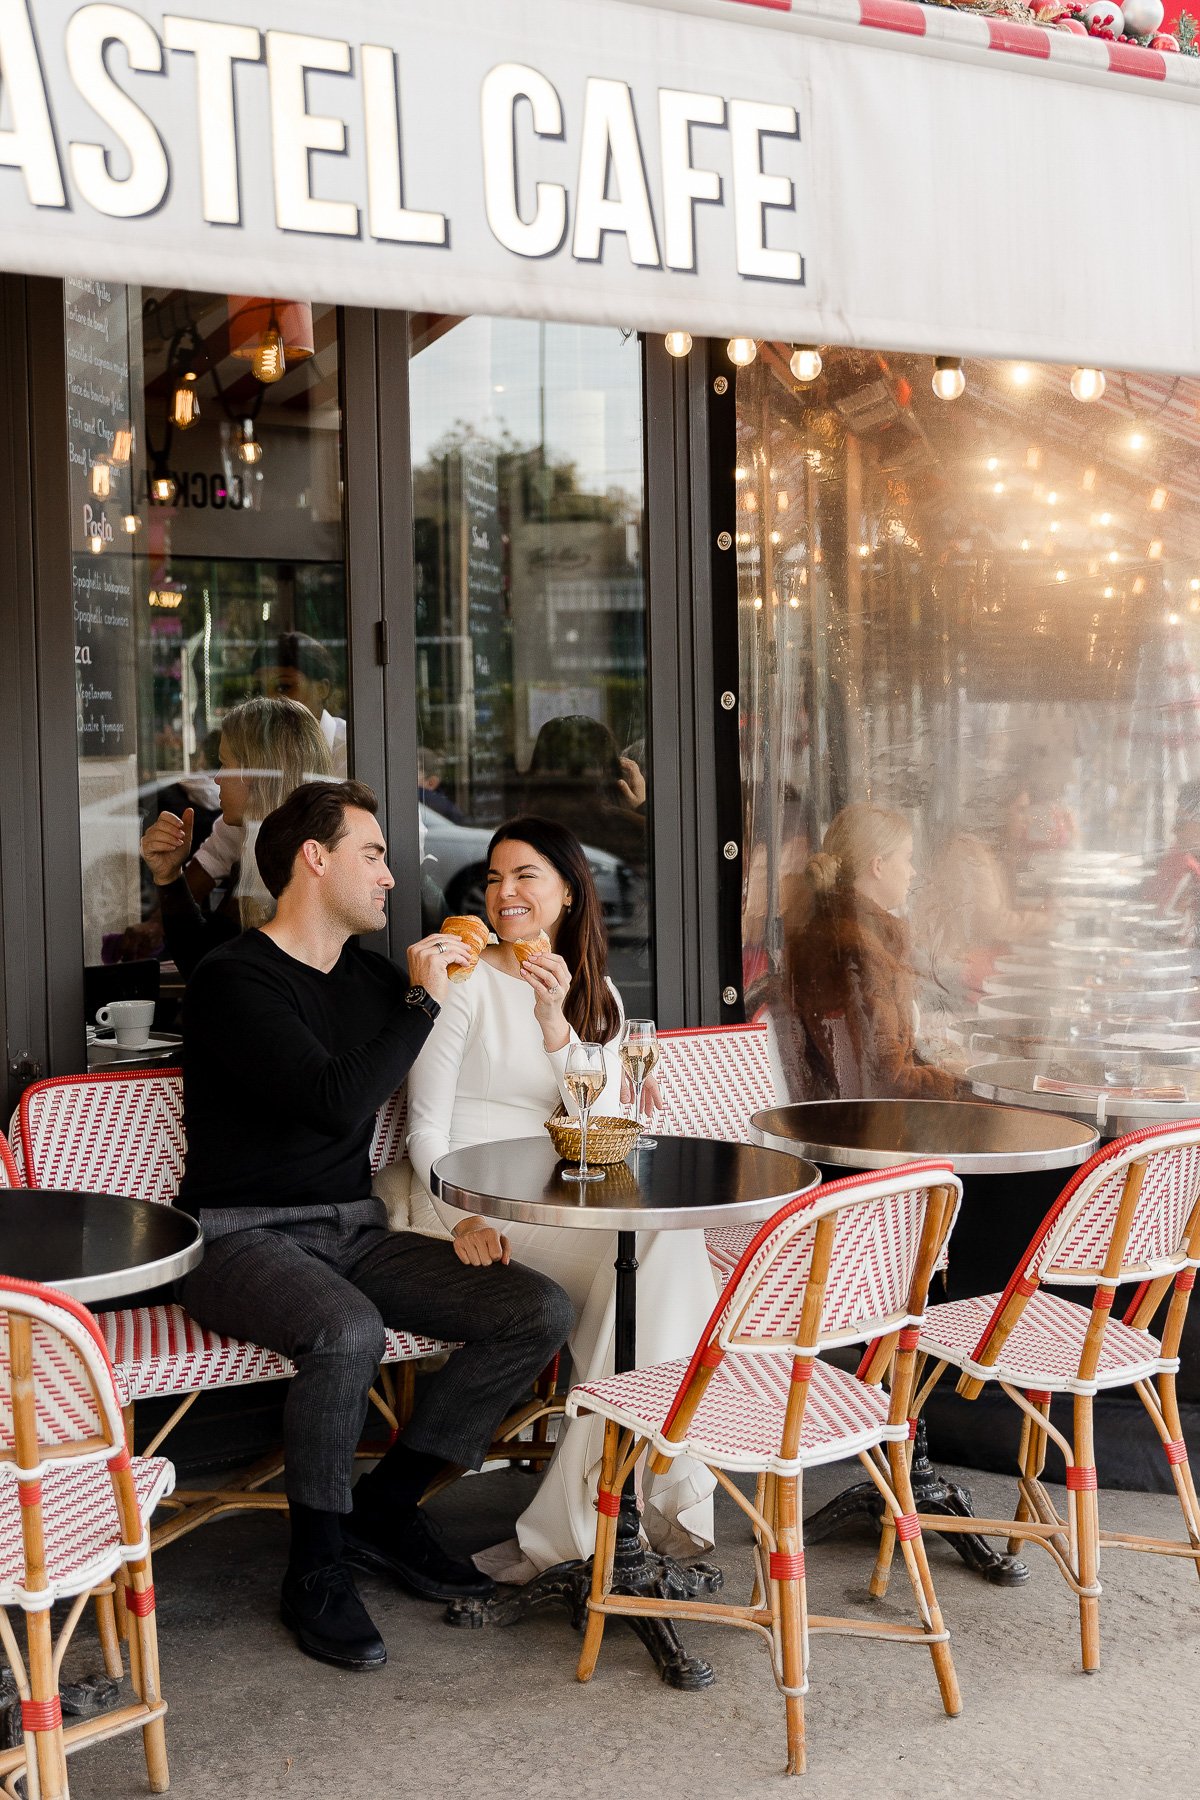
[316, 1538]
[396, 1484]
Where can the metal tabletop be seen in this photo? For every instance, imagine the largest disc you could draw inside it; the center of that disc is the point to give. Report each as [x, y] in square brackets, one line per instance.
[880, 1134]
[94, 1246]
[1012, 1083]
[674, 1184]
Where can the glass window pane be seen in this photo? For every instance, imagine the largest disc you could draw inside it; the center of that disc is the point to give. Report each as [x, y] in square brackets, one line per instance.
[208, 567]
[531, 613]
[978, 615]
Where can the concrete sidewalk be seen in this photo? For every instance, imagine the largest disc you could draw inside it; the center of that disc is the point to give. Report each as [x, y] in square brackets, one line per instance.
[500, 1712]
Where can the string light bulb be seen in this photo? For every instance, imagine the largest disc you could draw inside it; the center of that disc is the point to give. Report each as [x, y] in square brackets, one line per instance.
[163, 488]
[805, 362]
[185, 402]
[741, 352]
[96, 543]
[269, 361]
[121, 448]
[1088, 384]
[100, 478]
[948, 378]
[132, 524]
[678, 343]
[248, 447]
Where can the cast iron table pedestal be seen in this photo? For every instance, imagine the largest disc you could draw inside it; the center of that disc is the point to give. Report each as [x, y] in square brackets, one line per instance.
[501, 1181]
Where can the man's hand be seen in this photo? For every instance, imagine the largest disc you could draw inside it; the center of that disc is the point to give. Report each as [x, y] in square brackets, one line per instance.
[479, 1244]
[166, 846]
[430, 962]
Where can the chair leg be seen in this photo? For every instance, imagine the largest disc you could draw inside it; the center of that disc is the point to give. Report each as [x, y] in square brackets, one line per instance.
[48, 1749]
[917, 1564]
[145, 1673]
[789, 1530]
[1181, 1470]
[106, 1631]
[602, 1557]
[1031, 1459]
[1087, 1517]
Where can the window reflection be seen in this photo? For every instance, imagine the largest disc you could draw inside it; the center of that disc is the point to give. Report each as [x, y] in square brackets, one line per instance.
[981, 615]
[531, 624]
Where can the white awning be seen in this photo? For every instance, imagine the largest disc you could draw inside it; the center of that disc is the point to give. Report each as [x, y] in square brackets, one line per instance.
[857, 171]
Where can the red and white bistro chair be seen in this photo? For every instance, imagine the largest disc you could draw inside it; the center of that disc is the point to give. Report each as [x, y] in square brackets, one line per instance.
[714, 1079]
[10, 1175]
[1130, 1214]
[849, 1262]
[74, 1512]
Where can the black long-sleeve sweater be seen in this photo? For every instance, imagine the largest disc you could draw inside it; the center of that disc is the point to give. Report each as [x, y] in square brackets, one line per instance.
[284, 1068]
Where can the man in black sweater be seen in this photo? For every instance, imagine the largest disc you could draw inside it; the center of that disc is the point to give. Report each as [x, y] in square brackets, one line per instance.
[293, 1037]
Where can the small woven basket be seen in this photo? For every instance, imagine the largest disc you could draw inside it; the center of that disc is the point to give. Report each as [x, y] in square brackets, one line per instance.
[609, 1140]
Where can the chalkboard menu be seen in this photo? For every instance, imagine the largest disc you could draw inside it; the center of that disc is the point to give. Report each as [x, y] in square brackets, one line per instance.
[491, 653]
[100, 400]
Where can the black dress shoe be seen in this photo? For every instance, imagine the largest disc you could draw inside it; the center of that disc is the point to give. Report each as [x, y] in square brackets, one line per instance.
[329, 1620]
[407, 1548]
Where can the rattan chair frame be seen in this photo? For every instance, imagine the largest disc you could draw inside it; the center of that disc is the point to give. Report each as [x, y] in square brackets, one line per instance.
[40, 1760]
[1074, 1539]
[777, 1609]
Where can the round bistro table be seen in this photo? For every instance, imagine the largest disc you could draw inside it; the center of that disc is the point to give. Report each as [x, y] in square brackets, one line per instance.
[673, 1184]
[94, 1246]
[987, 1145]
[1111, 1107]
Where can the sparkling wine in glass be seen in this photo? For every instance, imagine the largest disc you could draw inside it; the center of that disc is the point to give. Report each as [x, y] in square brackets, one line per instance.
[639, 1053]
[584, 1079]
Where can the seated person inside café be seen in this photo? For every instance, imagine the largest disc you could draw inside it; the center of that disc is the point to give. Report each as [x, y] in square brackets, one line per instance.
[848, 965]
[495, 1067]
[267, 748]
[1174, 887]
[295, 1035]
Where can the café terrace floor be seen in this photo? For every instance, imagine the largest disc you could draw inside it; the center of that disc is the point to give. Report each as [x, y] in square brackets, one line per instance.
[500, 1712]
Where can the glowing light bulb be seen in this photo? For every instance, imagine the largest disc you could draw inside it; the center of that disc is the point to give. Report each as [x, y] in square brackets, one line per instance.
[678, 343]
[100, 478]
[95, 543]
[185, 402]
[741, 352]
[248, 447]
[1060, 574]
[993, 463]
[1109, 592]
[1088, 384]
[121, 448]
[1137, 441]
[1155, 550]
[805, 362]
[1022, 375]
[1158, 499]
[997, 487]
[269, 361]
[163, 489]
[948, 378]
[132, 523]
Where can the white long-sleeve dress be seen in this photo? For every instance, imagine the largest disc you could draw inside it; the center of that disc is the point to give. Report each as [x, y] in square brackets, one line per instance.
[484, 1074]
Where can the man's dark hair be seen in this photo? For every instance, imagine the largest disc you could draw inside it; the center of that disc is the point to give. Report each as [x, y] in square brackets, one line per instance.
[293, 650]
[316, 809]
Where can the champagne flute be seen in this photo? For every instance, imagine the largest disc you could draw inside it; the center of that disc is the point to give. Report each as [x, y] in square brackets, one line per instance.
[584, 1078]
[639, 1053]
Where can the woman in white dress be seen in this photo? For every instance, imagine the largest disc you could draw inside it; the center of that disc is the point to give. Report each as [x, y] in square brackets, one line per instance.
[493, 1068]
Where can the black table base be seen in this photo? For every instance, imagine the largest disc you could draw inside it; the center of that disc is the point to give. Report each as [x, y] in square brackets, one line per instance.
[636, 1570]
[933, 1493]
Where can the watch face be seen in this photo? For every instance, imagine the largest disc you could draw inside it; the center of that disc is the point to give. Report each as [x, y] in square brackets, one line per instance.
[416, 995]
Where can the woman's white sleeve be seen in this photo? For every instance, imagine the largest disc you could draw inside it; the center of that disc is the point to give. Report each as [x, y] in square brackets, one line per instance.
[432, 1090]
[609, 1103]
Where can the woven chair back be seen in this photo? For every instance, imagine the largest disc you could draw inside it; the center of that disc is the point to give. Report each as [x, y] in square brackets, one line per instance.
[713, 1080]
[118, 1133]
[391, 1121]
[879, 1224]
[10, 1175]
[1073, 1243]
[57, 1397]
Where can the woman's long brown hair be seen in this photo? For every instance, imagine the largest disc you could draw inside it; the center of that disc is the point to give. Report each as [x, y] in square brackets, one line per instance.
[591, 1006]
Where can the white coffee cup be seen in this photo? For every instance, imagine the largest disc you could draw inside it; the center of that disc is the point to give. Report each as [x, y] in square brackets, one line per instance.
[130, 1019]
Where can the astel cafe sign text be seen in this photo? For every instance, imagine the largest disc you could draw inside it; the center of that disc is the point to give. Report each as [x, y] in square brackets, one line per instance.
[402, 163]
[829, 171]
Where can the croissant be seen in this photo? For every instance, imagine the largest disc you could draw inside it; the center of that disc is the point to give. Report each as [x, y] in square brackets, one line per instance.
[534, 946]
[474, 934]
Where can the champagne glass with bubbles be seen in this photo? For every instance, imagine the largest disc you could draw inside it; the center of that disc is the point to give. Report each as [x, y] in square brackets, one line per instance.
[639, 1053]
[584, 1077]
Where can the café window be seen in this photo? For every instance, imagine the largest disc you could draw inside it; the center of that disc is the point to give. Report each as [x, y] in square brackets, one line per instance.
[528, 494]
[969, 625]
[204, 438]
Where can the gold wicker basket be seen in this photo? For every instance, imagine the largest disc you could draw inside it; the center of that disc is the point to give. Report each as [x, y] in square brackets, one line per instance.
[609, 1140]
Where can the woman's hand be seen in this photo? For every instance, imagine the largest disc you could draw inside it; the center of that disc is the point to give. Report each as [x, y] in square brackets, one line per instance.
[633, 784]
[550, 979]
[166, 846]
[479, 1244]
[652, 1094]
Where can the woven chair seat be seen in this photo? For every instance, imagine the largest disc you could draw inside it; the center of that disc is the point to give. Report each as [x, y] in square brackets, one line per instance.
[160, 1352]
[739, 1421]
[83, 1541]
[1044, 1348]
[725, 1250]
